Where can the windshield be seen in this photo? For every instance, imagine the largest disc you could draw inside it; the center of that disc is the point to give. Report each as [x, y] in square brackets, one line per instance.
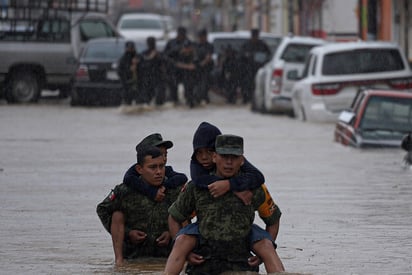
[90, 29]
[109, 50]
[388, 113]
[220, 44]
[272, 42]
[296, 53]
[362, 61]
[105, 51]
[130, 24]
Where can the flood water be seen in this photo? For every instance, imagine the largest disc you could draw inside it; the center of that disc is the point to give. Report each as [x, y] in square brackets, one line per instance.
[345, 210]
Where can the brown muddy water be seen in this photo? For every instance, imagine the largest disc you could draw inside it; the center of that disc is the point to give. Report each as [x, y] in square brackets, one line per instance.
[345, 211]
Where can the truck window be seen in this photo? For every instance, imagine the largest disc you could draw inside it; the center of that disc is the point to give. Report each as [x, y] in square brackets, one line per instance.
[362, 61]
[94, 29]
[312, 70]
[296, 53]
[53, 30]
[306, 68]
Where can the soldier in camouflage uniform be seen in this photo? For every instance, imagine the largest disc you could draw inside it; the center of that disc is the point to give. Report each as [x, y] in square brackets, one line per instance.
[138, 225]
[224, 234]
[173, 179]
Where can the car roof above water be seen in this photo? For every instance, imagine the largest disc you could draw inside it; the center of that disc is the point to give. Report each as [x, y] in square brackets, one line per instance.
[388, 93]
[112, 44]
[340, 46]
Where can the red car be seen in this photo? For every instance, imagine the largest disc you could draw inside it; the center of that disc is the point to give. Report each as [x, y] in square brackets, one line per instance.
[377, 118]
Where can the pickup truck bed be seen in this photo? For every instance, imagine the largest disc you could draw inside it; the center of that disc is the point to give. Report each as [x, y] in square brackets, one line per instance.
[40, 44]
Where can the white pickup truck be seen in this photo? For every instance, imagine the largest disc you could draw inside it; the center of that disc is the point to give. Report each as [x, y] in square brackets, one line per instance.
[272, 85]
[40, 42]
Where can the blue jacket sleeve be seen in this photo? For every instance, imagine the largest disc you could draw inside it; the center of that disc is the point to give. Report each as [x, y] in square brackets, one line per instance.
[250, 178]
[197, 170]
[201, 176]
[132, 180]
[174, 179]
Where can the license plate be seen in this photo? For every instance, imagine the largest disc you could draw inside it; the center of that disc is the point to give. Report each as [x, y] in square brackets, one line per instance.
[112, 75]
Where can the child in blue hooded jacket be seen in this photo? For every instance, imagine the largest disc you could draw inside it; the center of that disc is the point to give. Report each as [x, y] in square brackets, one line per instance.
[201, 165]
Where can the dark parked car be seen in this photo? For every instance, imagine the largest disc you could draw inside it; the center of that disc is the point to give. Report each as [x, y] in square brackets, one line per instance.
[377, 118]
[96, 80]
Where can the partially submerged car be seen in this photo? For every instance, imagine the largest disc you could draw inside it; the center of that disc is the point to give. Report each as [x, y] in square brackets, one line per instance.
[377, 118]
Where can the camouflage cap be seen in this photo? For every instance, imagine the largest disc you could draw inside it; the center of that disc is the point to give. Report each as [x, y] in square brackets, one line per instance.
[229, 145]
[155, 140]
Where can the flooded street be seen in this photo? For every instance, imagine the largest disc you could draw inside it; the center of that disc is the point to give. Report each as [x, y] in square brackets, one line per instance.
[345, 211]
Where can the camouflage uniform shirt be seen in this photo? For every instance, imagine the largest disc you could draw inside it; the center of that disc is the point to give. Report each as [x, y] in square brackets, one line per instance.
[141, 213]
[225, 218]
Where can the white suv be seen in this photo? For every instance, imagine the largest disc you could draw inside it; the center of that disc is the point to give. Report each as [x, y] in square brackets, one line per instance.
[272, 86]
[137, 26]
[335, 72]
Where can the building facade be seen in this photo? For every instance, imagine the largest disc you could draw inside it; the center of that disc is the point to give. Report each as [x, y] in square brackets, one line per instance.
[334, 20]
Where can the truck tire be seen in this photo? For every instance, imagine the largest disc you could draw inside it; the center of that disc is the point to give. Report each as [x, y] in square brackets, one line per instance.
[23, 88]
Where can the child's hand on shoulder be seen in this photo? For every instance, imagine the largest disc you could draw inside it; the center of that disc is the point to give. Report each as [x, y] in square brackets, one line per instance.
[160, 195]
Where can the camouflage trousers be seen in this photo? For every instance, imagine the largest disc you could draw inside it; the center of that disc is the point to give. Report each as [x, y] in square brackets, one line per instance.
[131, 251]
[222, 256]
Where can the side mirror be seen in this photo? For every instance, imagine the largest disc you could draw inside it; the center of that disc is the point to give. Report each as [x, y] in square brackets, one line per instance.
[347, 117]
[293, 75]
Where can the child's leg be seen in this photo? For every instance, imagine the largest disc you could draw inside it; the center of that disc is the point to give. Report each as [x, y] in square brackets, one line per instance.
[183, 245]
[262, 244]
[266, 251]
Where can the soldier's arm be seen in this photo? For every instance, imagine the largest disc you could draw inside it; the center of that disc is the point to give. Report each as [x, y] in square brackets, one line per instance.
[268, 211]
[180, 211]
[174, 226]
[106, 208]
[273, 229]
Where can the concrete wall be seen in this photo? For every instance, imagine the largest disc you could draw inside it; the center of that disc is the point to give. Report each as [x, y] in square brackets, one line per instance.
[339, 19]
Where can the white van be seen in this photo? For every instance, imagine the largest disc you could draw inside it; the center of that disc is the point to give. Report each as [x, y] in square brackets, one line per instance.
[138, 26]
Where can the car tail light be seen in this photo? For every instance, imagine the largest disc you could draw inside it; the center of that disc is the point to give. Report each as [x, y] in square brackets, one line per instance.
[401, 83]
[276, 81]
[325, 89]
[82, 73]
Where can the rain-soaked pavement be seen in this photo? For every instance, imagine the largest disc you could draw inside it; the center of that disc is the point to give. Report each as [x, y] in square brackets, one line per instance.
[345, 211]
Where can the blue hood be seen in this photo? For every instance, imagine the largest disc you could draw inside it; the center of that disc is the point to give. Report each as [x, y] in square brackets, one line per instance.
[205, 136]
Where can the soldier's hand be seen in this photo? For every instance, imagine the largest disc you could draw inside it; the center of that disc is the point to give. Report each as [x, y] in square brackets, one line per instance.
[195, 259]
[219, 188]
[160, 195]
[137, 236]
[245, 196]
[163, 239]
[254, 261]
